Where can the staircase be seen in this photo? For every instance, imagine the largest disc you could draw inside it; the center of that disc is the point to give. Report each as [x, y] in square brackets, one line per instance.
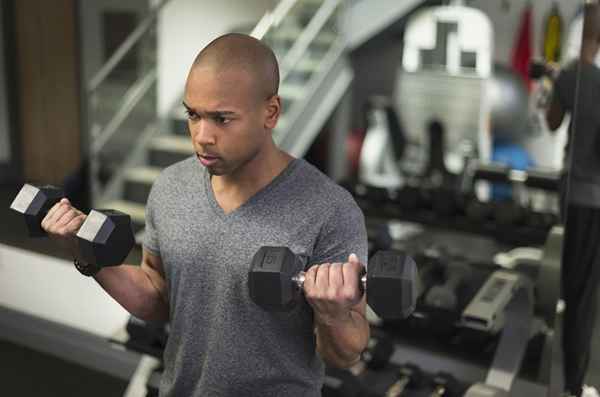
[315, 74]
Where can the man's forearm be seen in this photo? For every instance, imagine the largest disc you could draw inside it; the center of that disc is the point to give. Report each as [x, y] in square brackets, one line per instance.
[341, 343]
[133, 289]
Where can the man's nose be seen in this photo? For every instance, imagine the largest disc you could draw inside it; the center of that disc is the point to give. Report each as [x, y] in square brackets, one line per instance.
[202, 133]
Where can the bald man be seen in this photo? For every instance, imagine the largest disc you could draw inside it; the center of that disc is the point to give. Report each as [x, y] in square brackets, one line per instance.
[206, 217]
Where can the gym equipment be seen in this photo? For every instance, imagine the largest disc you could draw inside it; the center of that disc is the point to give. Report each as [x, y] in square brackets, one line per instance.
[409, 376]
[437, 181]
[504, 302]
[104, 239]
[145, 337]
[444, 385]
[445, 296]
[382, 147]
[377, 354]
[341, 383]
[276, 278]
[509, 103]
[379, 238]
[34, 202]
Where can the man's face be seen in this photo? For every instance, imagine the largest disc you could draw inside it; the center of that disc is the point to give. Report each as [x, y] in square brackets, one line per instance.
[226, 118]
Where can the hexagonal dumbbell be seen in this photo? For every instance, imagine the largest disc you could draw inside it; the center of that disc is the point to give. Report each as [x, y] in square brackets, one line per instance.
[34, 202]
[105, 238]
[276, 279]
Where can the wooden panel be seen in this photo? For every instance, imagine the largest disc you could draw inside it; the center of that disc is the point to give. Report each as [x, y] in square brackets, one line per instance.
[48, 88]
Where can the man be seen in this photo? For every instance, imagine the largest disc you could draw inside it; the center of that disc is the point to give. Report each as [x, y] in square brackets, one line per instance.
[206, 217]
[580, 198]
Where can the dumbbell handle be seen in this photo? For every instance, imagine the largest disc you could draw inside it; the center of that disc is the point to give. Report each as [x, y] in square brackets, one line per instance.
[439, 391]
[398, 388]
[299, 279]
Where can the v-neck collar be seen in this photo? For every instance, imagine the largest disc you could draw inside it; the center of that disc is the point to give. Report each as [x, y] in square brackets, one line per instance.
[218, 210]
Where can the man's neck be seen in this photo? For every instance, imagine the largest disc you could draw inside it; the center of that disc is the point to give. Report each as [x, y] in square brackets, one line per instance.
[254, 175]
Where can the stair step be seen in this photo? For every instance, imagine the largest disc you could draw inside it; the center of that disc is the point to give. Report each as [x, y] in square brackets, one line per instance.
[169, 149]
[290, 34]
[138, 182]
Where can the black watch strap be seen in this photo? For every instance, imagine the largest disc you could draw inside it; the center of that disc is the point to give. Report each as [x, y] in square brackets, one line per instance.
[87, 269]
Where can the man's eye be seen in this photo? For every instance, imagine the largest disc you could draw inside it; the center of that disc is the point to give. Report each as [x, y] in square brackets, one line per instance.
[191, 115]
[221, 120]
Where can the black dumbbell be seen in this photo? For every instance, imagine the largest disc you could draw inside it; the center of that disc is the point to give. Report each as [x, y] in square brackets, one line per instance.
[508, 213]
[377, 354]
[444, 385]
[479, 211]
[380, 238]
[409, 377]
[341, 383]
[34, 202]
[104, 239]
[276, 279]
[445, 296]
[146, 337]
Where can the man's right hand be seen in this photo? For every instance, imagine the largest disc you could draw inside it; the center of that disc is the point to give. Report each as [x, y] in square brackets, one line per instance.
[62, 223]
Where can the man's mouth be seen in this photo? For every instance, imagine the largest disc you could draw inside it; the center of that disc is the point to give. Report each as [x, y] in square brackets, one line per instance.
[207, 159]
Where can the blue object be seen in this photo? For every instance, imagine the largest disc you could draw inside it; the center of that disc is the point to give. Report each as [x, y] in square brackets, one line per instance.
[514, 156]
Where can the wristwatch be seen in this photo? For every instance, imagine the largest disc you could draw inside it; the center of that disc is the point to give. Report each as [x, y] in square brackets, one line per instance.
[87, 269]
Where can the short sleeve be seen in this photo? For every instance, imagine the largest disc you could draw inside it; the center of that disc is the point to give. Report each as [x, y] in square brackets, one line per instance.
[150, 241]
[343, 233]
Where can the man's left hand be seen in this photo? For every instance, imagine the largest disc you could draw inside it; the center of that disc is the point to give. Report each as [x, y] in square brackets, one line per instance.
[332, 289]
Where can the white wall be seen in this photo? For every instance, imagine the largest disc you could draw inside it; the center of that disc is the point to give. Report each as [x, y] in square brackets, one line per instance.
[5, 154]
[545, 148]
[53, 289]
[185, 27]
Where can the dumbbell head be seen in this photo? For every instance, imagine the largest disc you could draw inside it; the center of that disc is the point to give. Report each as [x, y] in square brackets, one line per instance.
[445, 296]
[105, 238]
[270, 278]
[392, 284]
[33, 203]
[445, 384]
[378, 352]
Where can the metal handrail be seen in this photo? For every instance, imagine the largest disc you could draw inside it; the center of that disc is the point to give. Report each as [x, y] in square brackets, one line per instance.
[131, 99]
[310, 32]
[272, 18]
[125, 47]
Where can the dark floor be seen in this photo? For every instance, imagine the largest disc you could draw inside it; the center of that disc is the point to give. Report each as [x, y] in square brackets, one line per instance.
[27, 373]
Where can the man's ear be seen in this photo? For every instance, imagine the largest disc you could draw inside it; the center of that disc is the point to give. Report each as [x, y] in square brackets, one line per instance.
[273, 110]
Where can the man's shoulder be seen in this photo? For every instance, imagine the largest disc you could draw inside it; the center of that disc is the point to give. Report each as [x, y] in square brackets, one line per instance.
[314, 183]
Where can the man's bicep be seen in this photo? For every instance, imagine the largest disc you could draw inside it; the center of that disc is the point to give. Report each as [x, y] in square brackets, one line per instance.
[153, 267]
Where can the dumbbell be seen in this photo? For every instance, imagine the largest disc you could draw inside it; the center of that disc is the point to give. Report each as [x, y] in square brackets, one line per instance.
[445, 296]
[478, 211]
[104, 239]
[341, 383]
[376, 356]
[276, 279]
[34, 202]
[444, 385]
[146, 337]
[508, 213]
[380, 238]
[409, 376]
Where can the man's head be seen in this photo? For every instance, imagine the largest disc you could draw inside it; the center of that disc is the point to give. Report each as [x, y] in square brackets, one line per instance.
[231, 100]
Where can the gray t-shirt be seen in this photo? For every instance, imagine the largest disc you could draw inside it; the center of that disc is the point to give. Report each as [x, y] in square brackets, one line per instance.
[221, 343]
[582, 153]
